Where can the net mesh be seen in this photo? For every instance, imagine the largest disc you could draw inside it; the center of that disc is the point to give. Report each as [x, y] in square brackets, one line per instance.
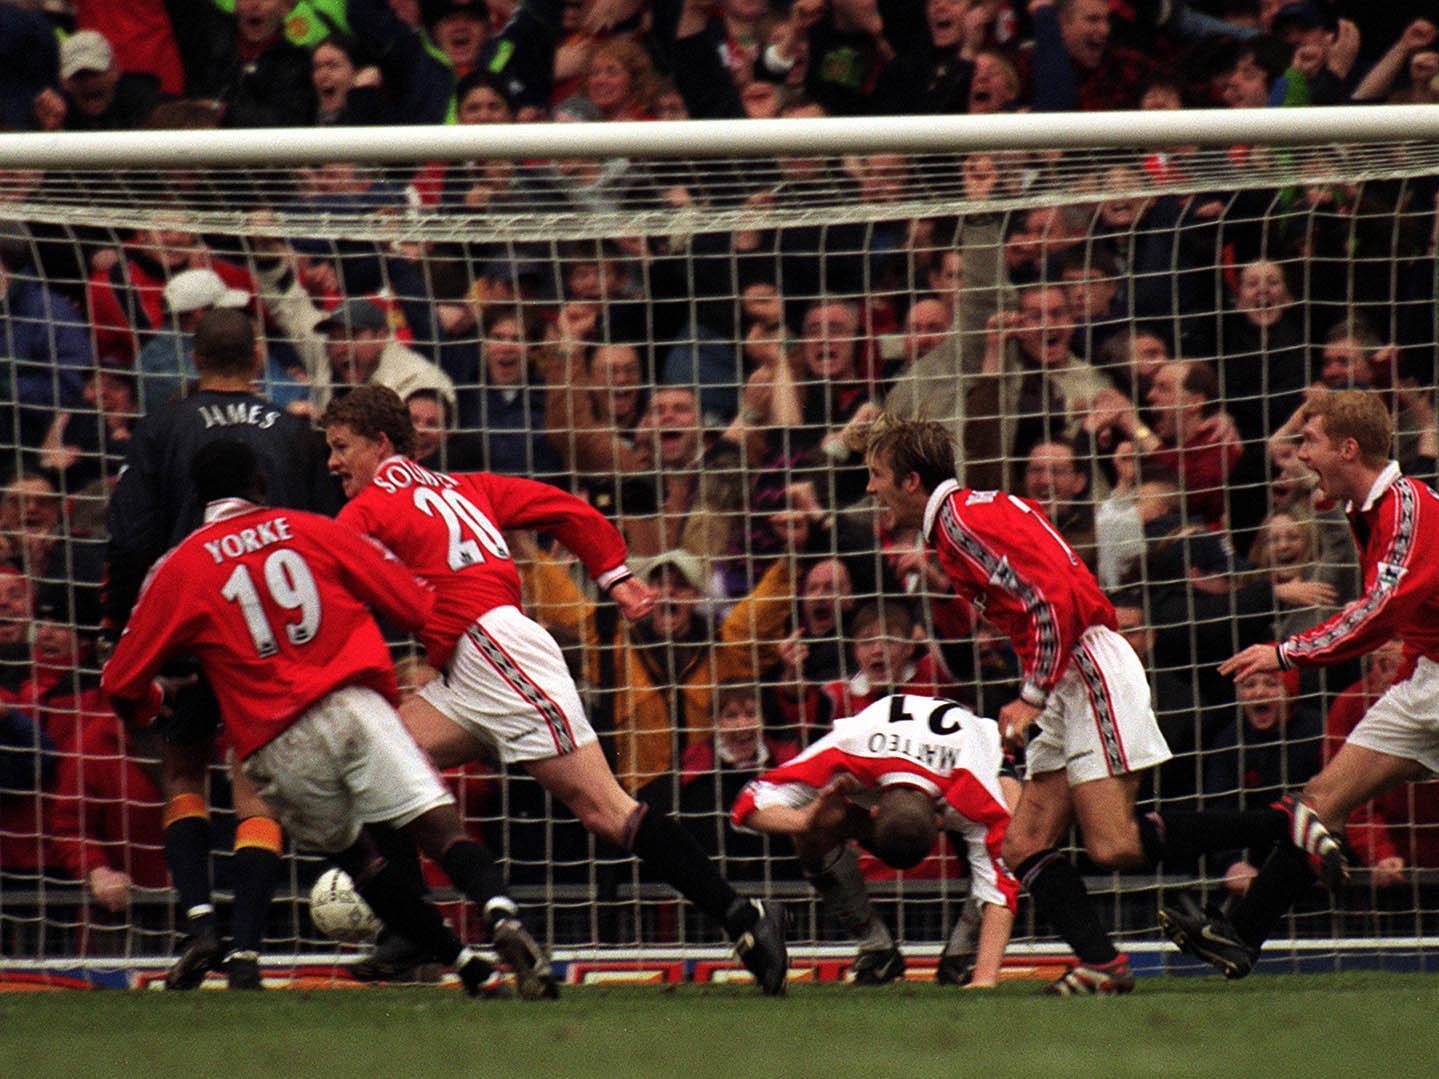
[692, 345]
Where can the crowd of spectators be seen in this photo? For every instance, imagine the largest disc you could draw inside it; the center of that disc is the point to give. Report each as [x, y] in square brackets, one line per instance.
[1135, 364]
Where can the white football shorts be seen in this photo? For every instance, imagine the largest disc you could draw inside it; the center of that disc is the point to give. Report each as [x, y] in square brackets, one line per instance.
[1098, 721]
[346, 762]
[508, 686]
[1404, 721]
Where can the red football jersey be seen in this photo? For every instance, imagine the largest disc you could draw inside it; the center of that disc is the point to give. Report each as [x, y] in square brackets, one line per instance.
[1007, 560]
[1397, 532]
[448, 529]
[272, 602]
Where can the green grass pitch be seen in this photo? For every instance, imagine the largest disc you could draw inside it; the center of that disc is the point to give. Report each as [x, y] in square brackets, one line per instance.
[1271, 1026]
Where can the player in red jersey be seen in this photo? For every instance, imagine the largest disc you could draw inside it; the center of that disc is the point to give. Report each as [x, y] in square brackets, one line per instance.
[885, 777]
[1083, 685]
[272, 603]
[1346, 439]
[506, 688]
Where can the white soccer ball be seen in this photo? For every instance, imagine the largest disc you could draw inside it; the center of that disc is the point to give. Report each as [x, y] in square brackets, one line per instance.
[339, 911]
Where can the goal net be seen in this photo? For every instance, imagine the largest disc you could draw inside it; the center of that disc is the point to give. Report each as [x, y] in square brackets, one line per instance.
[689, 325]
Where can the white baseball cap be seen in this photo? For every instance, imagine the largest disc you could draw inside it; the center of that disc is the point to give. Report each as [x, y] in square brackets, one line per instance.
[85, 50]
[190, 290]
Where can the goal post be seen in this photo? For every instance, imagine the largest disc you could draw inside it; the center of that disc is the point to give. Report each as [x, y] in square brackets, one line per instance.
[689, 323]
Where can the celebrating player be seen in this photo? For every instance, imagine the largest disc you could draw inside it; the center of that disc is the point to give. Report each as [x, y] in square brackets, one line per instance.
[1083, 684]
[1345, 441]
[272, 602]
[886, 777]
[505, 684]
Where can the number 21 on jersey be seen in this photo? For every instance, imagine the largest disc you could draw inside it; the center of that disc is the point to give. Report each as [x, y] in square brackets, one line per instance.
[469, 528]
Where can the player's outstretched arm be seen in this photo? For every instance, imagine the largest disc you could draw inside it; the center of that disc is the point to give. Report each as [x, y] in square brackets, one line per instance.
[995, 925]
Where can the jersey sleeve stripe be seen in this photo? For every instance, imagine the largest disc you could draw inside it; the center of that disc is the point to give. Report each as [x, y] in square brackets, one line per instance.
[1048, 663]
[1353, 618]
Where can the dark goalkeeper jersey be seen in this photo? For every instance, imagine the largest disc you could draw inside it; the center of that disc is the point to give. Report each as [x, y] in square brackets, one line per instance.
[154, 504]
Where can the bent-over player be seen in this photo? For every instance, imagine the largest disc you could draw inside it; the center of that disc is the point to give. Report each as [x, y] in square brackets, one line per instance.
[888, 777]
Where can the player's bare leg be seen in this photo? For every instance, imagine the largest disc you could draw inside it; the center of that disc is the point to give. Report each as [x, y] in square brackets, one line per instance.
[1104, 810]
[440, 833]
[583, 781]
[1043, 815]
[444, 741]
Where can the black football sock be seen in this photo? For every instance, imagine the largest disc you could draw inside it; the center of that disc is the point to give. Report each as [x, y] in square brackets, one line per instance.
[256, 868]
[400, 851]
[1284, 878]
[187, 854]
[473, 871]
[393, 897]
[1061, 899]
[673, 853]
[1185, 836]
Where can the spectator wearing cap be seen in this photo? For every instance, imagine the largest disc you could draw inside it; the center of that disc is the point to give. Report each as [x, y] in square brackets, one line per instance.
[62, 686]
[1324, 51]
[167, 361]
[94, 94]
[666, 667]
[244, 63]
[491, 185]
[352, 345]
[46, 345]
[125, 295]
[30, 514]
